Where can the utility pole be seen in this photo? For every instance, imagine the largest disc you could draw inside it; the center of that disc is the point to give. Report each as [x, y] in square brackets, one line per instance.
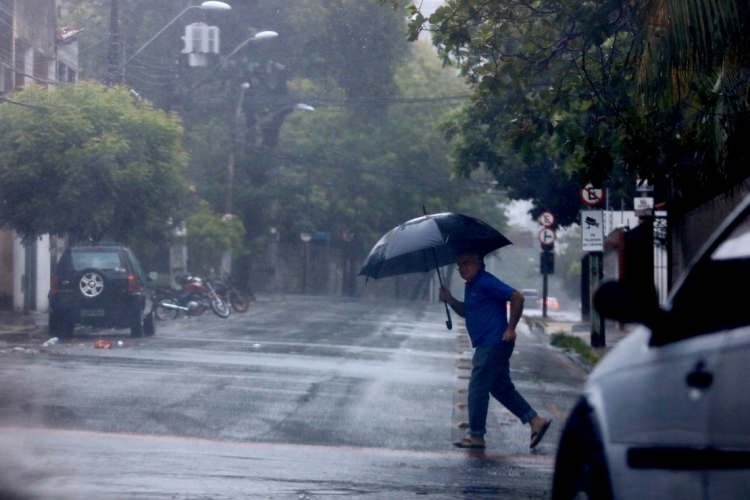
[114, 76]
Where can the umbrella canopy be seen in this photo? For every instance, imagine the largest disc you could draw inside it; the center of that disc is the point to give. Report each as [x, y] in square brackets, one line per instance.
[430, 241]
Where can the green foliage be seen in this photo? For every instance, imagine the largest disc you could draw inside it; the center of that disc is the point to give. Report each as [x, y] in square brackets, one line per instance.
[606, 90]
[369, 156]
[90, 162]
[209, 236]
[575, 344]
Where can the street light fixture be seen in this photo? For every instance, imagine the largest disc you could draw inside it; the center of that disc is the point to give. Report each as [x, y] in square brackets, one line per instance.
[261, 35]
[209, 5]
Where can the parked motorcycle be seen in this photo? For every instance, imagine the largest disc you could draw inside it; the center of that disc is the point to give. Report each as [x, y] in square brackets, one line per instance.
[226, 289]
[195, 297]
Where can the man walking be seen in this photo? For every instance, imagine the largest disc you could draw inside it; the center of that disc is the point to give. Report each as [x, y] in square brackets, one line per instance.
[493, 337]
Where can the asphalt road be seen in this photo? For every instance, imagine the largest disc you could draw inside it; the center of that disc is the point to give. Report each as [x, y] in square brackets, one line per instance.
[298, 398]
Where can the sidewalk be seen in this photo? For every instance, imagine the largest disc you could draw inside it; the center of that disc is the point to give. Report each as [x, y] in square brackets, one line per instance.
[16, 328]
[552, 324]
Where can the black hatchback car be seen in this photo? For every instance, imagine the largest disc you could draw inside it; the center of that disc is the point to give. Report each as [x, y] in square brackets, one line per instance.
[102, 286]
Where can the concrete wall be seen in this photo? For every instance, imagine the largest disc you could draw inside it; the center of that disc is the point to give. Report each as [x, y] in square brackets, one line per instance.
[43, 275]
[691, 231]
[36, 24]
[6, 270]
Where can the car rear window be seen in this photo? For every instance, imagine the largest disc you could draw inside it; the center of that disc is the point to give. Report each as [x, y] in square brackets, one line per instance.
[100, 259]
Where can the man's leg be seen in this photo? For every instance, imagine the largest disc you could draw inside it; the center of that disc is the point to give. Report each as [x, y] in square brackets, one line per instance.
[503, 389]
[479, 390]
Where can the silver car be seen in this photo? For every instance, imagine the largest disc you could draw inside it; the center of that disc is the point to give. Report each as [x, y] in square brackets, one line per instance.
[666, 415]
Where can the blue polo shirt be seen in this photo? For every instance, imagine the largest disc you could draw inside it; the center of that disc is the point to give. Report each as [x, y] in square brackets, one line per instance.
[485, 305]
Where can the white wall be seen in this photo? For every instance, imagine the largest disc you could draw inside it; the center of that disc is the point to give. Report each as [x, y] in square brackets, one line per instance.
[43, 273]
[43, 263]
[19, 265]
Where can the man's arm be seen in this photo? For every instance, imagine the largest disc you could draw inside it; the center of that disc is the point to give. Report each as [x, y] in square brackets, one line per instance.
[516, 310]
[456, 305]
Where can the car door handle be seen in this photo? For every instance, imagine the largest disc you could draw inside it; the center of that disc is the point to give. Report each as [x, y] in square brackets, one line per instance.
[699, 377]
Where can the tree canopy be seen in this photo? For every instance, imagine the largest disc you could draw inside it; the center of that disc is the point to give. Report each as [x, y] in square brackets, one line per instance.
[606, 91]
[90, 162]
[369, 156]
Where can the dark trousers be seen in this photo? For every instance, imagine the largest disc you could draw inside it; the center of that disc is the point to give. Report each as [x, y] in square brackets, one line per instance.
[491, 375]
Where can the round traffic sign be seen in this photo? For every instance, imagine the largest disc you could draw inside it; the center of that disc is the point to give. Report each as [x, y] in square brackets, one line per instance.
[547, 236]
[546, 219]
[591, 196]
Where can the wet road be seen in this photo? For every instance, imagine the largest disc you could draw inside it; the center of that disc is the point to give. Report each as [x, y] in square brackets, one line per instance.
[298, 398]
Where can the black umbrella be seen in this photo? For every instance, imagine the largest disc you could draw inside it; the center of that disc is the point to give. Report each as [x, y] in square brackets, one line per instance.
[430, 242]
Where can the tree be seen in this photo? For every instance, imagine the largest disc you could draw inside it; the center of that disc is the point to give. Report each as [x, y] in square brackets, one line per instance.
[209, 236]
[694, 80]
[91, 162]
[609, 90]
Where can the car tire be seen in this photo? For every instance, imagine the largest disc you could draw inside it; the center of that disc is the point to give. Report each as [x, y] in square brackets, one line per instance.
[149, 325]
[580, 466]
[165, 313]
[61, 325]
[137, 324]
[90, 283]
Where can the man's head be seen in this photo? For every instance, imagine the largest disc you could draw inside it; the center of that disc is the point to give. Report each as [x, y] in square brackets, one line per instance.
[469, 264]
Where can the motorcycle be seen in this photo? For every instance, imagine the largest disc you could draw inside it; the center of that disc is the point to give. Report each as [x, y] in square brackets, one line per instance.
[232, 295]
[195, 297]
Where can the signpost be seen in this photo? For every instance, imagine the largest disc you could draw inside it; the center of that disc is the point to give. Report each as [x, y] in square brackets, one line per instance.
[546, 219]
[592, 196]
[592, 231]
[547, 239]
[547, 236]
[643, 207]
[592, 240]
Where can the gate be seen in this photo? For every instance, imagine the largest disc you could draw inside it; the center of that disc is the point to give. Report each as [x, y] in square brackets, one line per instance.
[645, 256]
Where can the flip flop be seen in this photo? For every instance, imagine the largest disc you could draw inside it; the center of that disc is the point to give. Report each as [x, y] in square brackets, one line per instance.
[467, 443]
[536, 437]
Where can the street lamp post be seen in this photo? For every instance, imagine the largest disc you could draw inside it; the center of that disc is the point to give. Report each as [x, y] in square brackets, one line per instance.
[233, 148]
[116, 71]
[261, 35]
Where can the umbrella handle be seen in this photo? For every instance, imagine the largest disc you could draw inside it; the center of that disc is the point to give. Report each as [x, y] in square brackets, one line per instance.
[448, 322]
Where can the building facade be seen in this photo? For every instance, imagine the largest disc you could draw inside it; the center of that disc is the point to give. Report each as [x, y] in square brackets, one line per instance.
[33, 51]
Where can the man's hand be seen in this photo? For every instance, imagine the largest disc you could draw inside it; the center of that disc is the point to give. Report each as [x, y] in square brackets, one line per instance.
[509, 335]
[456, 305]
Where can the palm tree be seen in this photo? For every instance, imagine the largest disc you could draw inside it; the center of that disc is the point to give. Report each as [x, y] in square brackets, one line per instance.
[694, 74]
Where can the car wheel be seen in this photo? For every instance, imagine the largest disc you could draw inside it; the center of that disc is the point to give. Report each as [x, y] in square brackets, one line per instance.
[239, 302]
[91, 283]
[165, 313]
[580, 466]
[136, 326]
[149, 325]
[60, 325]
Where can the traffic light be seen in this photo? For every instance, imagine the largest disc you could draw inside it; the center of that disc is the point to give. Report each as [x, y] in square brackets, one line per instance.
[547, 263]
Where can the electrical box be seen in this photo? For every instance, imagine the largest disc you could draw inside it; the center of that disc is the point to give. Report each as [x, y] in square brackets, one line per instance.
[200, 39]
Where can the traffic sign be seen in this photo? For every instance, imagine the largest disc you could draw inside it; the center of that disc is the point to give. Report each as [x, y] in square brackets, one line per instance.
[592, 231]
[592, 196]
[643, 207]
[546, 219]
[643, 186]
[547, 236]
